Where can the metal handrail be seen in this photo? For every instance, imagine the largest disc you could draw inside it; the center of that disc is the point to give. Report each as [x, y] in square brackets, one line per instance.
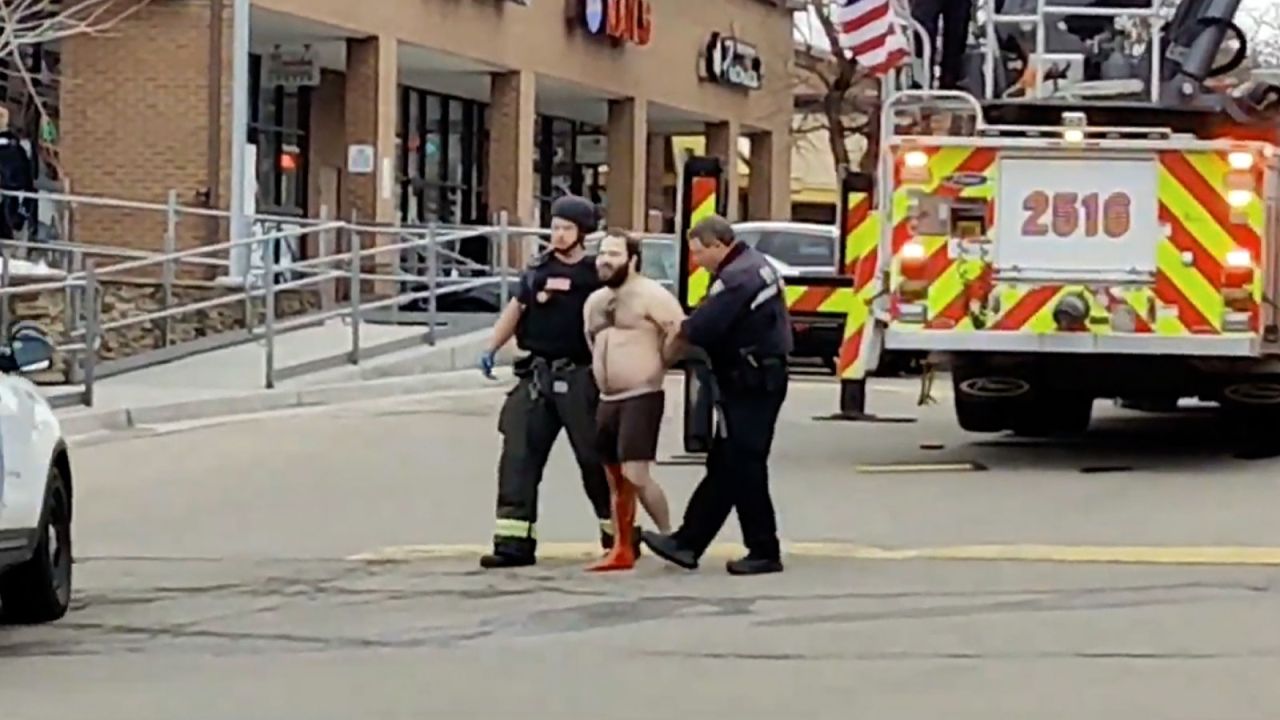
[121, 204]
[1045, 10]
[431, 252]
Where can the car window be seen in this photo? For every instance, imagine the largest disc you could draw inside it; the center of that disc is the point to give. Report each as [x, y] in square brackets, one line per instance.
[659, 260]
[801, 250]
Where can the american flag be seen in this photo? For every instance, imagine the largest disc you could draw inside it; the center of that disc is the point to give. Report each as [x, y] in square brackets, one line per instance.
[868, 32]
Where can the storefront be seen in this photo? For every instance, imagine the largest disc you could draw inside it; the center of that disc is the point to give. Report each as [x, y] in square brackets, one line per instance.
[457, 110]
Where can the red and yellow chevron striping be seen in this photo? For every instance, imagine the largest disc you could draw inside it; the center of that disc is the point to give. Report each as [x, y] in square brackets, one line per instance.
[703, 192]
[953, 173]
[862, 260]
[1201, 230]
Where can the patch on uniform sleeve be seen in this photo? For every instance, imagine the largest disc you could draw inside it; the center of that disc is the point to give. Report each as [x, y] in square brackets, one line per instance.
[716, 287]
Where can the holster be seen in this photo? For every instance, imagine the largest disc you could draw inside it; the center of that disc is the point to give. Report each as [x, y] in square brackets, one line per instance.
[542, 373]
[757, 373]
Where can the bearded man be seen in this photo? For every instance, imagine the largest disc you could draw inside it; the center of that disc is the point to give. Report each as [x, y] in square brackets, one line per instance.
[627, 322]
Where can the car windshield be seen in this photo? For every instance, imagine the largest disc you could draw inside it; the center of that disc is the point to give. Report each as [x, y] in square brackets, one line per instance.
[797, 249]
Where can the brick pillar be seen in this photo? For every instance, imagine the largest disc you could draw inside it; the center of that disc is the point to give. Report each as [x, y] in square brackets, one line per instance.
[175, 138]
[656, 173]
[628, 152]
[511, 142]
[769, 194]
[370, 119]
[722, 142]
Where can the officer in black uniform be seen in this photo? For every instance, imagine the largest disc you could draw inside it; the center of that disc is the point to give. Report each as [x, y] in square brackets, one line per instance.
[745, 329]
[556, 388]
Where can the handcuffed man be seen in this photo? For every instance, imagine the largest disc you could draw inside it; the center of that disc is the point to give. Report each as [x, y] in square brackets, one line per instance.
[626, 324]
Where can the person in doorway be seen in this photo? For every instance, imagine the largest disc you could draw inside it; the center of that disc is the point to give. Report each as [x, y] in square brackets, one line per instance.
[555, 390]
[745, 329]
[626, 324]
[16, 173]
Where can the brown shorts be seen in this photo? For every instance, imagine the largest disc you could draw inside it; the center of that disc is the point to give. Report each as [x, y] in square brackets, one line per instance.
[627, 429]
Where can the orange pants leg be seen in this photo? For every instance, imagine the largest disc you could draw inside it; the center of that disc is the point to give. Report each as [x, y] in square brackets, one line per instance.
[622, 556]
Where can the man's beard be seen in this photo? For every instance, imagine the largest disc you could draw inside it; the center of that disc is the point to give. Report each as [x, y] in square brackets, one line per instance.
[618, 276]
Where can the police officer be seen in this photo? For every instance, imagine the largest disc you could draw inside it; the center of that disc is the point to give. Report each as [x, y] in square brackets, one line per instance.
[555, 389]
[745, 329]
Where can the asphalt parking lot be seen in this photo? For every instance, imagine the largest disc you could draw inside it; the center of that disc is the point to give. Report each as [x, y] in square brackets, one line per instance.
[321, 564]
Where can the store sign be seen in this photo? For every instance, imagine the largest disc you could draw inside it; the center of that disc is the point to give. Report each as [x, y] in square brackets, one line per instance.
[292, 68]
[621, 21]
[732, 62]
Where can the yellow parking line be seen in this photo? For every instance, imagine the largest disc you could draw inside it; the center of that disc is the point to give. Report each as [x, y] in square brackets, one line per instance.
[1122, 554]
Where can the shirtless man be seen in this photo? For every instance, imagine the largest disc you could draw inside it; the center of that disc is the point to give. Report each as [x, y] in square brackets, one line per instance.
[626, 323]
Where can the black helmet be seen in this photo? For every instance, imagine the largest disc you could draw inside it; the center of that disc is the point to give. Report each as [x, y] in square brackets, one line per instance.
[577, 210]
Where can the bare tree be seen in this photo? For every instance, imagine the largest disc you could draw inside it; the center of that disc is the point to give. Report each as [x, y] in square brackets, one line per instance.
[834, 94]
[1265, 40]
[26, 26]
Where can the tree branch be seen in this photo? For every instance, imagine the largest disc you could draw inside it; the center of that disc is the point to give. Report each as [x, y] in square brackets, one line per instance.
[35, 23]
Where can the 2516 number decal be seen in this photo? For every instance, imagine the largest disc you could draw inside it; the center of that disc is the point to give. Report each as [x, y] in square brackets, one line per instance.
[1067, 210]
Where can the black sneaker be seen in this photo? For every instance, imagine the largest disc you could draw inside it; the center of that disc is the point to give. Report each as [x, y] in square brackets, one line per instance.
[753, 566]
[496, 560]
[669, 549]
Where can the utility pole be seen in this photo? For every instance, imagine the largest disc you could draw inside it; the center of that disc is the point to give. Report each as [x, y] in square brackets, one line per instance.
[239, 256]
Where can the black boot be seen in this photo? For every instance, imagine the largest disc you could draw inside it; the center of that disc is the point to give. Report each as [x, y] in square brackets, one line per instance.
[511, 553]
[753, 566]
[496, 560]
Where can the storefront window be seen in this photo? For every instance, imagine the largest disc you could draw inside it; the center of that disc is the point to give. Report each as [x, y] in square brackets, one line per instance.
[442, 173]
[568, 155]
[278, 120]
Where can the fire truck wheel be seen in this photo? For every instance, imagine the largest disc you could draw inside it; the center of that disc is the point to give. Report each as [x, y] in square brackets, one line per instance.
[981, 415]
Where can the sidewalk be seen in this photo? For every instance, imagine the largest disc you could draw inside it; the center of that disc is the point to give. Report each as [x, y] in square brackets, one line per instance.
[233, 380]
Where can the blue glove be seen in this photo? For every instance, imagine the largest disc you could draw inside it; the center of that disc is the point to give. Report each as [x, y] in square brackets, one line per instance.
[487, 361]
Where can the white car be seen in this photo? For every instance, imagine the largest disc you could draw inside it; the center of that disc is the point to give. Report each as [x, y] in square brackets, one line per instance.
[795, 249]
[35, 488]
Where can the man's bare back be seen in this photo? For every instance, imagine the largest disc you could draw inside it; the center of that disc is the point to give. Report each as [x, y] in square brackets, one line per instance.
[627, 329]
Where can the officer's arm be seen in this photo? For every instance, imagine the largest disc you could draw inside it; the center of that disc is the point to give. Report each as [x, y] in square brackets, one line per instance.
[709, 323]
[505, 328]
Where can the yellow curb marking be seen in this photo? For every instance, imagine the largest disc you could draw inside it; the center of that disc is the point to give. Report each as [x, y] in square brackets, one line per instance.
[1146, 555]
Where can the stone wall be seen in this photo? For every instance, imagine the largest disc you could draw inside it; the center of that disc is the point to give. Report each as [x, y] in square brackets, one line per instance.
[124, 298]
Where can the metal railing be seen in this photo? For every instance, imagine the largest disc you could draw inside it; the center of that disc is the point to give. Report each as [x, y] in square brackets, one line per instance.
[1047, 13]
[402, 265]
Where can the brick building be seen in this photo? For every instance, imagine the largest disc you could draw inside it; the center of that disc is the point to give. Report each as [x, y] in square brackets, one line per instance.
[469, 106]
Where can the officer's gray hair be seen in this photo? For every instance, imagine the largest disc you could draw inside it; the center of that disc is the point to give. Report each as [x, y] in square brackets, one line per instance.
[712, 230]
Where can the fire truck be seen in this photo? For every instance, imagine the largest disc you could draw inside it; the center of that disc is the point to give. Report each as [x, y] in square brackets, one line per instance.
[1088, 218]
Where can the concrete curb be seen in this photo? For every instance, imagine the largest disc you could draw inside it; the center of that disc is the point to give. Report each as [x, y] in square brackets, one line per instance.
[89, 421]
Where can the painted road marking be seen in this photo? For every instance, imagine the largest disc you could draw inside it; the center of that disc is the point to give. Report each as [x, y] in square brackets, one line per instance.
[921, 467]
[1115, 554]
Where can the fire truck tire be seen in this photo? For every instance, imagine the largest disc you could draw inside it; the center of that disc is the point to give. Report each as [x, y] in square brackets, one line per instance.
[981, 415]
